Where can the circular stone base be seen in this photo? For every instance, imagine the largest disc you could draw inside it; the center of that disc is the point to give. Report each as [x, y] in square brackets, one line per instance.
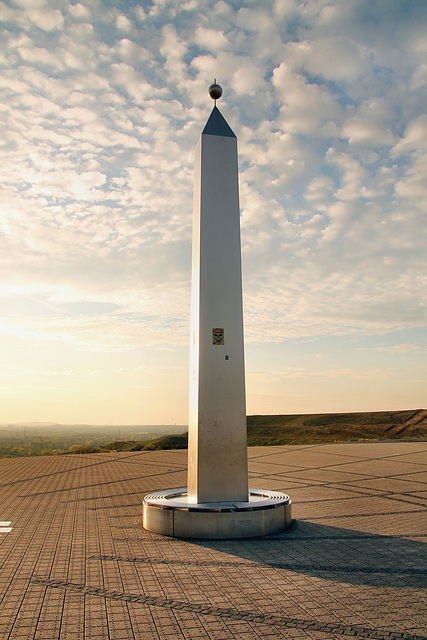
[172, 514]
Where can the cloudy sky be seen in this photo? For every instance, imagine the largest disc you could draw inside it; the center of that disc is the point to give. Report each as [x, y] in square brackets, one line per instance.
[102, 104]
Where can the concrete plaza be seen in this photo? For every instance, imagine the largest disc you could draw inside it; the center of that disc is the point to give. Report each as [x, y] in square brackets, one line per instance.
[77, 564]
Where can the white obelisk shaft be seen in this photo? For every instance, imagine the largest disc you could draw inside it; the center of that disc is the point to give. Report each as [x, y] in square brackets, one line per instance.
[217, 448]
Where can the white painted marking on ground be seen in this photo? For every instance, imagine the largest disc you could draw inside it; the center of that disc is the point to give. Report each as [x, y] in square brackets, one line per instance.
[5, 527]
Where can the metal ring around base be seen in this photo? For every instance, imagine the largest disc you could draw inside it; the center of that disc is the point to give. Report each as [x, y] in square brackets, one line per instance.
[171, 513]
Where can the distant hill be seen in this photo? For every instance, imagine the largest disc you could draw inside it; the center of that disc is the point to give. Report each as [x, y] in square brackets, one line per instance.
[43, 439]
[308, 429]
[179, 441]
[337, 427]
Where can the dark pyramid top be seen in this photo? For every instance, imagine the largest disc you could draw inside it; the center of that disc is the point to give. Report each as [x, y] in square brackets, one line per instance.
[217, 125]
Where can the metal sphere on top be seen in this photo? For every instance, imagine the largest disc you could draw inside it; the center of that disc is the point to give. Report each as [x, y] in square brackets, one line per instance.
[215, 91]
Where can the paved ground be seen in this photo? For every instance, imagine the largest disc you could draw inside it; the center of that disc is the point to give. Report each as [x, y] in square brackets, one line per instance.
[78, 565]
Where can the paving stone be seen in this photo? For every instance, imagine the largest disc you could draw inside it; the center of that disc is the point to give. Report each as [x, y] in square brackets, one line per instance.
[77, 564]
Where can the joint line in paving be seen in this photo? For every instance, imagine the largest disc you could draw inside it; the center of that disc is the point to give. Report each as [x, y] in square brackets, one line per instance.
[276, 620]
[271, 565]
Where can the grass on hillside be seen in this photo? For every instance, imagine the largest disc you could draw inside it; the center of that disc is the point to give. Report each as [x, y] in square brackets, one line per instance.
[336, 427]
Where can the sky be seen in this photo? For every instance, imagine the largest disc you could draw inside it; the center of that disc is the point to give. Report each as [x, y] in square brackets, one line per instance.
[102, 103]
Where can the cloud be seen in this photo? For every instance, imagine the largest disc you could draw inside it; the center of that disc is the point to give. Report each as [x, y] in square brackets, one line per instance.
[123, 23]
[307, 108]
[412, 186]
[48, 20]
[367, 133]
[99, 334]
[403, 348]
[341, 374]
[415, 136]
[79, 10]
[210, 39]
[319, 190]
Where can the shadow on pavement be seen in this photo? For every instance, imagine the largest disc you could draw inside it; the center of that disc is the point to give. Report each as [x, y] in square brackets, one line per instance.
[337, 554]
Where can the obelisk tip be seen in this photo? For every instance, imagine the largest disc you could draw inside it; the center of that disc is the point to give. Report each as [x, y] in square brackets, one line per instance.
[215, 91]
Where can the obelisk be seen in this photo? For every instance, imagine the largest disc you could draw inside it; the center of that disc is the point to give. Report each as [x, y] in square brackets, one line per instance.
[217, 502]
[217, 442]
